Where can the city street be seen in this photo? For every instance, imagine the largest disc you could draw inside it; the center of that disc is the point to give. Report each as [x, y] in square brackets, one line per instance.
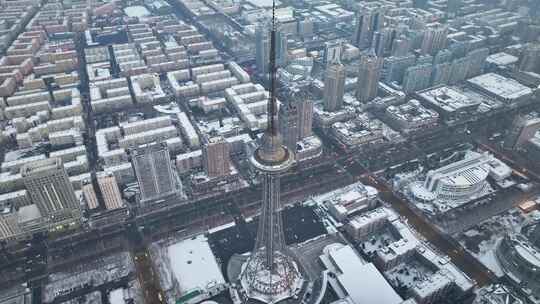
[128, 125]
[334, 170]
[442, 242]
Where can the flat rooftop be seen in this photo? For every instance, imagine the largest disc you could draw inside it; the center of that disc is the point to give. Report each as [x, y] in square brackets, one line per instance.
[194, 265]
[502, 59]
[41, 166]
[361, 281]
[449, 99]
[263, 3]
[500, 86]
[136, 11]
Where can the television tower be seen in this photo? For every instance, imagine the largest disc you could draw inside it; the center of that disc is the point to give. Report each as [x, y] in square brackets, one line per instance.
[271, 273]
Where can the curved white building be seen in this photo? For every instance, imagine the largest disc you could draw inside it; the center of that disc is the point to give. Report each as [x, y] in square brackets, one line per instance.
[519, 258]
[459, 182]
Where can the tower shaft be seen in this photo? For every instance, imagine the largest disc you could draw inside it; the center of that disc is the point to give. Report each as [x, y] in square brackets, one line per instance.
[270, 235]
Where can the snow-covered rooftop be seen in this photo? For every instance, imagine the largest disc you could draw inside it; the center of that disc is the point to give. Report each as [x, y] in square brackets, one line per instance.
[194, 265]
[449, 99]
[117, 296]
[136, 11]
[500, 86]
[361, 281]
[502, 59]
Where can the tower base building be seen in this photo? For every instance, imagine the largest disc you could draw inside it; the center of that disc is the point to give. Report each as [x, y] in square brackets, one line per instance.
[271, 286]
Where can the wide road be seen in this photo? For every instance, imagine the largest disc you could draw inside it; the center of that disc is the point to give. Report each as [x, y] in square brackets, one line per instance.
[147, 278]
[322, 176]
[214, 211]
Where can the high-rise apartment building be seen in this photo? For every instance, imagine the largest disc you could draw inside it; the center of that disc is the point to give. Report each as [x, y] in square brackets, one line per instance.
[9, 227]
[51, 190]
[262, 46]
[530, 59]
[441, 74]
[306, 27]
[262, 49]
[110, 191]
[334, 86]
[434, 39]
[369, 74]
[332, 51]
[401, 46]
[383, 40]
[154, 172]
[368, 20]
[523, 128]
[417, 78]
[305, 118]
[459, 70]
[295, 120]
[282, 48]
[90, 196]
[394, 67]
[443, 56]
[215, 157]
[288, 124]
[477, 60]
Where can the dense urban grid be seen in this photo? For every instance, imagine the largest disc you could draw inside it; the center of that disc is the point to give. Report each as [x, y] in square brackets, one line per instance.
[260, 151]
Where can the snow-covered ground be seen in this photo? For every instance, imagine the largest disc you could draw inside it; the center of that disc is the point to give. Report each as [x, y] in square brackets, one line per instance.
[408, 274]
[161, 263]
[91, 298]
[125, 295]
[378, 241]
[487, 255]
[482, 240]
[497, 294]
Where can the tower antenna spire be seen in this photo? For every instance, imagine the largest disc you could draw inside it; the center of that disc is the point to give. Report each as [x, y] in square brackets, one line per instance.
[272, 104]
